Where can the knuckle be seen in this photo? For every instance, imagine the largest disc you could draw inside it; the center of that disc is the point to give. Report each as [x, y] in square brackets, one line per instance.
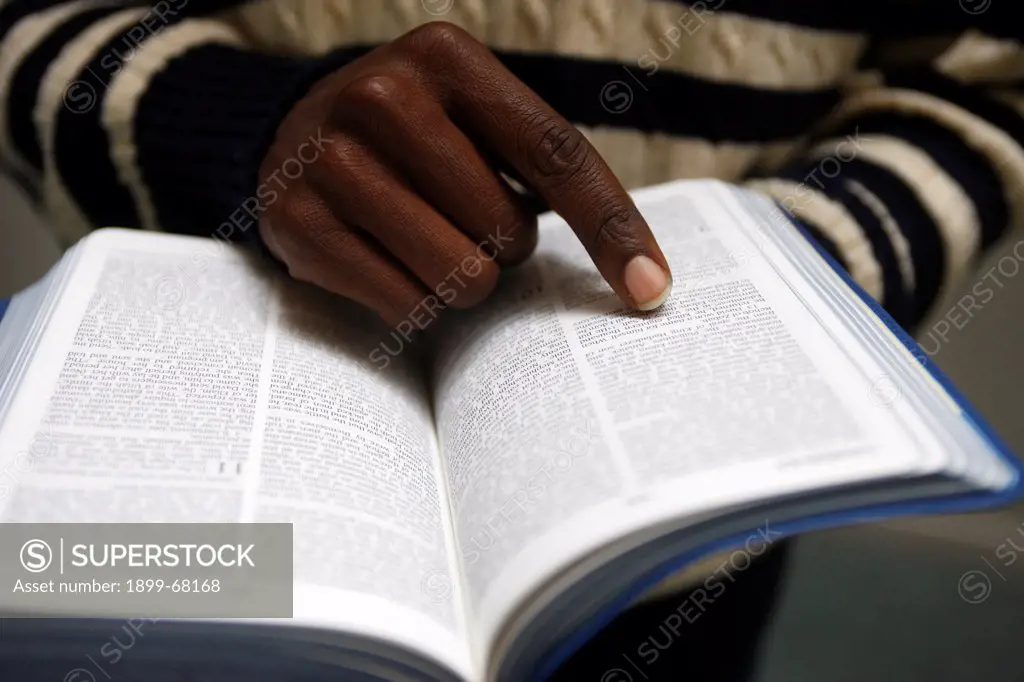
[294, 219]
[333, 243]
[614, 228]
[300, 271]
[523, 244]
[403, 305]
[558, 151]
[515, 238]
[476, 279]
[308, 223]
[288, 217]
[376, 92]
[438, 37]
[345, 165]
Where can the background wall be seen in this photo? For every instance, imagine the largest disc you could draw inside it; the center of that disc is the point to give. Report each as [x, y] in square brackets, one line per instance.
[26, 248]
[871, 603]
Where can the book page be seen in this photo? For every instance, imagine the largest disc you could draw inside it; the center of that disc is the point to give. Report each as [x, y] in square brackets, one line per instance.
[180, 381]
[567, 423]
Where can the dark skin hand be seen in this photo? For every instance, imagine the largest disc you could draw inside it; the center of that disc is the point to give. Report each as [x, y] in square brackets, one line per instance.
[408, 188]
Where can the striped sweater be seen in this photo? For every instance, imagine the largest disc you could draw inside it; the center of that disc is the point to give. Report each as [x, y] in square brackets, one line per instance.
[892, 129]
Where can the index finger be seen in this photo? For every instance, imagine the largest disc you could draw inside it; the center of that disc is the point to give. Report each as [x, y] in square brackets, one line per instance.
[565, 169]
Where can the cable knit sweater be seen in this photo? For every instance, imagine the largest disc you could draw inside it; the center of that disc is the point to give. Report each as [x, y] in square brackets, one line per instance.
[892, 128]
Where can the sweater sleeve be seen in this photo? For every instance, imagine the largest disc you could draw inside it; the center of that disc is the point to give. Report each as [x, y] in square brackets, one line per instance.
[916, 173]
[153, 117]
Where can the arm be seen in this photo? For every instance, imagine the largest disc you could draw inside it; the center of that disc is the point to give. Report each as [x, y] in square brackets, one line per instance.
[916, 173]
[152, 117]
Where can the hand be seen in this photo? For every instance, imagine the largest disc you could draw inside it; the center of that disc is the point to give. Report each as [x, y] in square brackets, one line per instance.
[409, 186]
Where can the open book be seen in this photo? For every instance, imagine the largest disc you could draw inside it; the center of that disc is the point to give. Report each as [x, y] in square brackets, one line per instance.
[473, 502]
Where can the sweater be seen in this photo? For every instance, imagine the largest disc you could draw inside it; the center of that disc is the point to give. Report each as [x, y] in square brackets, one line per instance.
[893, 130]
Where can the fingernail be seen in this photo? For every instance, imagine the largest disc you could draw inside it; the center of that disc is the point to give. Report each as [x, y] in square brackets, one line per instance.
[647, 283]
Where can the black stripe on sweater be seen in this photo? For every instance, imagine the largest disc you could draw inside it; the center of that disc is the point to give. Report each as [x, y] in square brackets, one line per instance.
[895, 298]
[24, 85]
[970, 168]
[608, 93]
[81, 143]
[199, 151]
[876, 17]
[927, 249]
[976, 101]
